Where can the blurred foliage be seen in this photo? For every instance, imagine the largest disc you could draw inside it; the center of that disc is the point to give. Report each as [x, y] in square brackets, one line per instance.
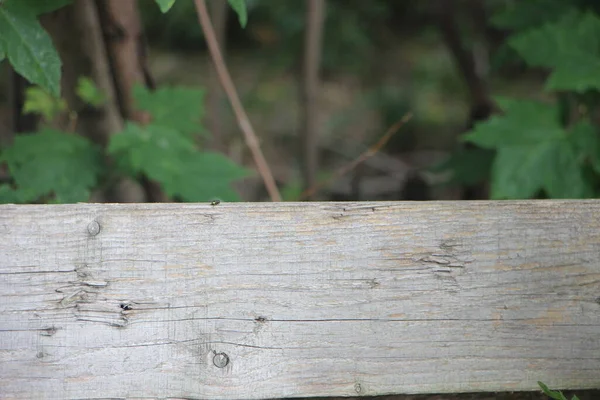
[51, 165]
[39, 101]
[165, 151]
[535, 148]
[89, 92]
[60, 167]
[277, 29]
[543, 149]
[178, 108]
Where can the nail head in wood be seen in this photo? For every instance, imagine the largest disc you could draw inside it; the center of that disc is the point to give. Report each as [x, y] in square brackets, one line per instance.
[94, 228]
[221, 360]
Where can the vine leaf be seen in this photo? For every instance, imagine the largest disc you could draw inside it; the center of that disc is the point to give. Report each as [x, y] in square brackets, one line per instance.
[239, 6]
[171, 158]
[165, 5]
[175, 107]
[27, 45]
[533, 152]
[52, 163]
[570, 47]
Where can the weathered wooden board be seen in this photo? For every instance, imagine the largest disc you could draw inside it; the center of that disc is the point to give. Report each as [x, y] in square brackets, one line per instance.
[304, 299]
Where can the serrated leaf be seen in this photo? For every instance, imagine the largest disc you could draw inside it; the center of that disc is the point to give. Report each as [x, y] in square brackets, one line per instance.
[578, 76]
[178, 108]
[89, 92]
[38, 101]
[169, 157]
[519, 172]
[52, 162]
[239, 6]
[209, 176]
[165, 5]
[516, 172]
[28, 47]
[571, 47]
[524, 122]
[151, 148]
[563, 178]
[37, 7]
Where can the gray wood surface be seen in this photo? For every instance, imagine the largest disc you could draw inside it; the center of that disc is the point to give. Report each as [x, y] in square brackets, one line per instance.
[268, 300]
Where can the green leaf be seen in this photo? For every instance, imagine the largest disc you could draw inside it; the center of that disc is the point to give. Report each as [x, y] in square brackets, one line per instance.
[165, 5]
[554, 394]
[181, 109]
[28, 47]
[570, 47]
[563, 175]
[53, 163]
[169, 157]
[2, 55]
[37, 7]
[519, 172]
[239, 6]
[525, 122]
[516, 172]
[38, 101]
[209, 176]
[151, 147]
[534, 152]
[89, 92]
[576, 75]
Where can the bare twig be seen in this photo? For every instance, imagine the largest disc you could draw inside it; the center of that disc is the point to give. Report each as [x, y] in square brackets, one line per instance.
[218, 13]
[315, 18]
[369, 153]
[236, 104]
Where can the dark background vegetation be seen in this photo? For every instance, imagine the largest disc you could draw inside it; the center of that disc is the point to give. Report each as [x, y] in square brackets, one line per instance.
[443, 61]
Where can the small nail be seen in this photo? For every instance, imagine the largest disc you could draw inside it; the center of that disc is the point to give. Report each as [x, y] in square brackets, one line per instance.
[221, 360]
[94, 228]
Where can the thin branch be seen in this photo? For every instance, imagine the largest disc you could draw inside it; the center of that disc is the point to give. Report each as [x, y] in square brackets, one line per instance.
[315, 19]
[364, 156]
[236, 104]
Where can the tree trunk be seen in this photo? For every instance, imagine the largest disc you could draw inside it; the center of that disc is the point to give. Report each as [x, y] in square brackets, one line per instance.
[126, 46]
[77, 35]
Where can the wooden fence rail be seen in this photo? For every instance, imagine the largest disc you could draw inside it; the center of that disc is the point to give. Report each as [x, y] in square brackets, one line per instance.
[268, 300]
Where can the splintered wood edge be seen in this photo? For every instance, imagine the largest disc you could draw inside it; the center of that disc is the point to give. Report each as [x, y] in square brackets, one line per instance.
[270, 300]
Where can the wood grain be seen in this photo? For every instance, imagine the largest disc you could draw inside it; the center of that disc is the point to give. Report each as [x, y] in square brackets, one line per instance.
[304, 299]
